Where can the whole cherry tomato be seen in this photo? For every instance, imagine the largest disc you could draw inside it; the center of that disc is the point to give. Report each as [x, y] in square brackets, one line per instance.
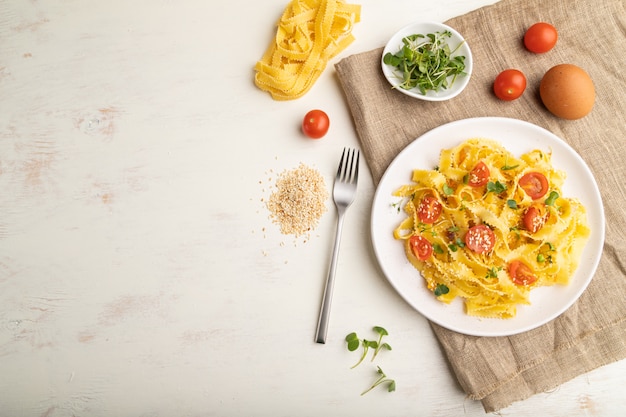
[315, 124]
[509, 84]
[540, 37]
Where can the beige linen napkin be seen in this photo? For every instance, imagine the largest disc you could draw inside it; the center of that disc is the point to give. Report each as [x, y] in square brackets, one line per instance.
[592, 35]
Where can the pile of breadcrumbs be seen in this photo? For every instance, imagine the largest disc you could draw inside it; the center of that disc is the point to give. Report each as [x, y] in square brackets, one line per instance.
[299, 200]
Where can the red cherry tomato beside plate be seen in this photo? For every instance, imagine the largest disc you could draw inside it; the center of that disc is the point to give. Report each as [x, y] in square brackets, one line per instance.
[509, 84]
[540, 37]
[315, 124]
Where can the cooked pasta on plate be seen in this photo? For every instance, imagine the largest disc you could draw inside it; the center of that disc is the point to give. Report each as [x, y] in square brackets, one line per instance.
[488, 226]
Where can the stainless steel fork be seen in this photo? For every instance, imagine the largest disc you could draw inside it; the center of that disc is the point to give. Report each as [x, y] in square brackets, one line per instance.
[344, 191]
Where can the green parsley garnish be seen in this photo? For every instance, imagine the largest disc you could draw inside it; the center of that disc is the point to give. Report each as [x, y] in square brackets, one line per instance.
[382, 379]
[512, 204]
[493, 272]
[354, 342]
[441, 289]
[496, 187]
[552, 198]
[458, 243]
[508, 167]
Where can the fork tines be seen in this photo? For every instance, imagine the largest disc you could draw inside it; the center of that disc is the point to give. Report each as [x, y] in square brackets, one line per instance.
[348, 170]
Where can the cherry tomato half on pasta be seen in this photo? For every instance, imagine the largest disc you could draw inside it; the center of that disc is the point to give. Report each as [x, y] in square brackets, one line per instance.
[480, 239]
[315, 124]
[421, 247]
[429, 209]
[479, 175]
[540, 37]
[509, 84]
[535, 217]
[520, 273]
[535, 184]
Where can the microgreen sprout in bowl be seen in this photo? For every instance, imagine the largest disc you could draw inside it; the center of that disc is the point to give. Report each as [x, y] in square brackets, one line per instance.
[429, 61]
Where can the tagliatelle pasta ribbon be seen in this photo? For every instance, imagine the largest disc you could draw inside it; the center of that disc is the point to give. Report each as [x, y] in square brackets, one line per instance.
[309, 34]
[483, 280]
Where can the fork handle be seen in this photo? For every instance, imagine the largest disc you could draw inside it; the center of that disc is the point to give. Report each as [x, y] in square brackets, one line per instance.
[322, 323]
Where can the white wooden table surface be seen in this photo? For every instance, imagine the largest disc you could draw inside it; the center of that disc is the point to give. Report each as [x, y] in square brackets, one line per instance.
[140, 274]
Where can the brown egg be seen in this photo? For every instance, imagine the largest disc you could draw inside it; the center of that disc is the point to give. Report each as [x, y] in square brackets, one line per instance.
[567, 91]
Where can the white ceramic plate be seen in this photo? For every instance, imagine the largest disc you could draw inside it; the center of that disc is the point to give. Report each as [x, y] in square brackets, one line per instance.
[518, 137]
[424, 28]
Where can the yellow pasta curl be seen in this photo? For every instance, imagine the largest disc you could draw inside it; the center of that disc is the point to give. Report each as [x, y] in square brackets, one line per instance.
[484, 280]
[309, 34]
